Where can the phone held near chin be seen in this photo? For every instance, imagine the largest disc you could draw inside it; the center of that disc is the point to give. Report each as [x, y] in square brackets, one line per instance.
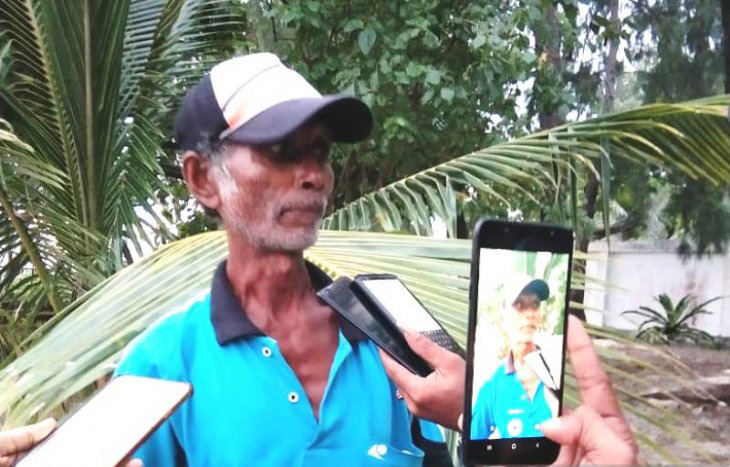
[381, 306]
[518, 302]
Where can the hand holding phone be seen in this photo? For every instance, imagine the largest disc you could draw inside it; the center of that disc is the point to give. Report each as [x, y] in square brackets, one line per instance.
[517, 316]
[106, 430]
[596, 432]
[439, 396]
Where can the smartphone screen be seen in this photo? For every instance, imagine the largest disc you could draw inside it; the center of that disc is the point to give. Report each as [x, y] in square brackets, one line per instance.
[517, 342]
[110, 426]
[402, 306]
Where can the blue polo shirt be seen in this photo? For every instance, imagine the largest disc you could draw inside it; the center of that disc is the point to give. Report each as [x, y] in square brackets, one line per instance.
[504, 410]
[248, 406]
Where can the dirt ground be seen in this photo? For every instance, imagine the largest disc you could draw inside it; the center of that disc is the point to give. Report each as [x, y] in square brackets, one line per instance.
[700, 412]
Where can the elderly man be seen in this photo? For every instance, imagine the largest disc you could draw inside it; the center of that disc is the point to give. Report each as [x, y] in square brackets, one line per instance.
[514, 400]
[278, 378]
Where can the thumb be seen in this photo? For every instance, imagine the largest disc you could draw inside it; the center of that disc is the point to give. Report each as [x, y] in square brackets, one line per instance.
[590, 432]
[23, 438]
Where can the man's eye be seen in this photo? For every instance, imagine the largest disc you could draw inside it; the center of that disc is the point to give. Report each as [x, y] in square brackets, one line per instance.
[321, 149]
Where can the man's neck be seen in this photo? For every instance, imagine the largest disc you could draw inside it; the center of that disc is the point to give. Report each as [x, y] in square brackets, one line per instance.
[269, 284]
[519, 351]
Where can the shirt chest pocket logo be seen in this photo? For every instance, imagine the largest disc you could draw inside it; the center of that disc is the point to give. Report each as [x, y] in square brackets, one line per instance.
[384, 455]
[514, 427]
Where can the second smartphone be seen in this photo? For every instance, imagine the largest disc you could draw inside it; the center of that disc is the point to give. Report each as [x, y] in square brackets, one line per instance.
[518, 303]
[387, 296]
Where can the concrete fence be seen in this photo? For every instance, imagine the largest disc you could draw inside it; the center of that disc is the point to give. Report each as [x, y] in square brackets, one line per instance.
[637, 271]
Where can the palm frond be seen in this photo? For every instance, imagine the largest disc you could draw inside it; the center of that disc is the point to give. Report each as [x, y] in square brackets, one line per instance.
[90, 89]
[85, 341]
[692, 137]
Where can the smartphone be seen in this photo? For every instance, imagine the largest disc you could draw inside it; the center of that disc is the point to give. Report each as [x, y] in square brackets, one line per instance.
[518, 303]
[341, 296]
[107, 429]
[391, 298]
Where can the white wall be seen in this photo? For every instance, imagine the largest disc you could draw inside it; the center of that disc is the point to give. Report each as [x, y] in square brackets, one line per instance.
[636, 271]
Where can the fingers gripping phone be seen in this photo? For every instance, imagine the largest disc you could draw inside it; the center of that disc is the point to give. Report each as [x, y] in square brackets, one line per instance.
[518, 302]
[110, 426]
[388, 296]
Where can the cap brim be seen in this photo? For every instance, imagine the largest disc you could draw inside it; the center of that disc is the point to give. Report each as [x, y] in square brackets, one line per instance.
[538, 287]
[348, 118]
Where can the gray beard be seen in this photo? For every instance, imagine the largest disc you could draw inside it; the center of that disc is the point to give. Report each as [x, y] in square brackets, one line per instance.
[271, 239]
[260, 235]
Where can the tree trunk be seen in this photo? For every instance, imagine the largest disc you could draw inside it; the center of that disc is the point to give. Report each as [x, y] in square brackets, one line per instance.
[593, 183]
[549, 41]
[32, 252]
[725, 7]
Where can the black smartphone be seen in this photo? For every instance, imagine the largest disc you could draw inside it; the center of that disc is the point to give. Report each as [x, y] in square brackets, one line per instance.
[390, 297]
[342, 298]
[518, 303]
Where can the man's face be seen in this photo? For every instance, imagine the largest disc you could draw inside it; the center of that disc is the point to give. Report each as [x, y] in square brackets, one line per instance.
[524, 318]
[274, 196]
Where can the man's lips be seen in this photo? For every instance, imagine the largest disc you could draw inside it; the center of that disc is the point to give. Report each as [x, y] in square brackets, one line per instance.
[311, 208]
[303, 213]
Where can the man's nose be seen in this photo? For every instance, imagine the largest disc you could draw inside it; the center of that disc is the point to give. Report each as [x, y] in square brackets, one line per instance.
[314, 174]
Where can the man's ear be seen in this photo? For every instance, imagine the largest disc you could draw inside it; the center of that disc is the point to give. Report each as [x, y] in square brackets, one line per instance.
[197, 172]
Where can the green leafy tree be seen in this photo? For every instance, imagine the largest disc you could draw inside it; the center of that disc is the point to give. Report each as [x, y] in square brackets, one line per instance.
[440, 76]
[678, 57]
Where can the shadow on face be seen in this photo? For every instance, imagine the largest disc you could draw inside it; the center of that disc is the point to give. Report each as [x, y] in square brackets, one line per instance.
[523, 319]
[272, 197]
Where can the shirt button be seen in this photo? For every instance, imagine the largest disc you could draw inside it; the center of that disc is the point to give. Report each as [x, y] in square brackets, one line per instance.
[293, 397]
[266, 351]
[523, 397]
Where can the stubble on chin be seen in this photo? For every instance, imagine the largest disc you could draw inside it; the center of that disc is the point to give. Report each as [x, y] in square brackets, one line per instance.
[263, 232]
[255, 220]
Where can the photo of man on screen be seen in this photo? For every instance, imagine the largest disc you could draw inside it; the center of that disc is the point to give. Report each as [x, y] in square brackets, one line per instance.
[521, 393]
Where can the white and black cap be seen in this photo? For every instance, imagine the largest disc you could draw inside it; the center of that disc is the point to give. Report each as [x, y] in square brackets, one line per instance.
[256, 99]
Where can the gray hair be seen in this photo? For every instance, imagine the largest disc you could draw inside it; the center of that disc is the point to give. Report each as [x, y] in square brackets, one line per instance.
[216, 152]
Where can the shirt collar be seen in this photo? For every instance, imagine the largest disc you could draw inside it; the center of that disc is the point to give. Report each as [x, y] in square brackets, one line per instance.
[230, 320]
[509, 365]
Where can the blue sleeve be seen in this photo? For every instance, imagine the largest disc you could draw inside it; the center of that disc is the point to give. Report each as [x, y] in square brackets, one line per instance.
[162, 449]
[482, 418]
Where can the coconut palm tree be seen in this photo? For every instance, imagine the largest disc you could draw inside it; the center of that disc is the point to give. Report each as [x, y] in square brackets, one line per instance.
[87, 88]
[87, 338]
